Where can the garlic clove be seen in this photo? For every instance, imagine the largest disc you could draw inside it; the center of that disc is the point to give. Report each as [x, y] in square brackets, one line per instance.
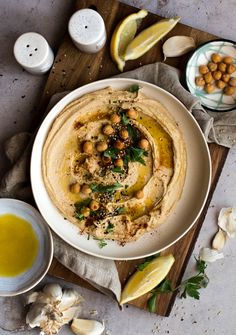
[227, 221]
[36, 315]
[70, 314]
[210, 255]
[69, 298]
[177, 46]
[219, 240]
[53, 290]
[87, 327]
[31, 297]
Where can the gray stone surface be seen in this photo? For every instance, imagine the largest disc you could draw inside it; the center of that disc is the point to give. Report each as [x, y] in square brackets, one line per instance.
[215, 313]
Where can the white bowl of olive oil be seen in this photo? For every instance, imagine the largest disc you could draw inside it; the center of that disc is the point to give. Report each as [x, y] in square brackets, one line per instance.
[26, 247]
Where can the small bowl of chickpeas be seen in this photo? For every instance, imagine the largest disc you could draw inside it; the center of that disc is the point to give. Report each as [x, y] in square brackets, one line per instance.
[211, 75]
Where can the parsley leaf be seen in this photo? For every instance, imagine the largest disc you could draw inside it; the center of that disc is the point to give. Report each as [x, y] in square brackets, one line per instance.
[105, 188]
[134, 88]
[124, 118]
[79, 206]
[133, 133]
[151, 303]
[189, 287]
[111, 152]
[135, 155]
[147, 261]
[110, 227]
[118, 169]
[119, 210]
[102, 244]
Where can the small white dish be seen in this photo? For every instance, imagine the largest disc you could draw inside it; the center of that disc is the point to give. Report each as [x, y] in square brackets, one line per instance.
[188, 208]
[216, 101]
[11, 286]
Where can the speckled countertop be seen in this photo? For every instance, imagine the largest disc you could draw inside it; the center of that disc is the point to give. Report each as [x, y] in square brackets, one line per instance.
[215, 313]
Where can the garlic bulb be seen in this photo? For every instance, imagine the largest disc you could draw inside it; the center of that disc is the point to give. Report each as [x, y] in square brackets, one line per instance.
[51, 308]
[219, 240]
[87, 327]
[177, 46]
[210, 255]
[227, 221]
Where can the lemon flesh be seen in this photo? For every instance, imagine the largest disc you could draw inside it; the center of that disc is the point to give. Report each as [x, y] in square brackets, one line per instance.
[144, 281]
[123, 35]
[148, 38]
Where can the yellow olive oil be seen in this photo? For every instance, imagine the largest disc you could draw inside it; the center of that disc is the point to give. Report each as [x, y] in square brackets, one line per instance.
[18, 245]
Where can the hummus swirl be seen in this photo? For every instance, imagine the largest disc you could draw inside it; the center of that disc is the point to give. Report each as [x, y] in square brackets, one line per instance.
[115, 177]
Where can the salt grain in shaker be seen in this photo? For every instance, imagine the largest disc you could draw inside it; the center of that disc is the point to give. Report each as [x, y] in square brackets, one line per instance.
[87, 30]
[33, 53]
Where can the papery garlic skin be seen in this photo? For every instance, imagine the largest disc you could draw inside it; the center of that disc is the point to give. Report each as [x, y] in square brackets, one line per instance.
[227, 221]
[51, 308]
[177, 46]
[87, 327]
[210, 255]
[219, 240]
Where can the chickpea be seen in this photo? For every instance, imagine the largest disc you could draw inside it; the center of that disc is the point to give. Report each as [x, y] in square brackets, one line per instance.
[199, 81]
[209, 88]
[119, 162]
[216, 58]
[220, 84]
[226, 77]
[217, 75]
[101, 146]
[132, 114]
[124, 134]
[94, 205]
[227, 60]
[119, 145]
[143, 144]
[75, 188]
[231, 68]
[85, 189]
[232, 82]
[139, 194]
[222, 67]
[208, 78]
[203, 69]
[115, 118]
[88, 147]
[85, 212]
[212, 66]
[229, 90]
[106, 160]
[108, 130]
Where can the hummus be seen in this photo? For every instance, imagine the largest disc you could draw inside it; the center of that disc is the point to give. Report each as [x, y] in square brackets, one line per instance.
[114, 164]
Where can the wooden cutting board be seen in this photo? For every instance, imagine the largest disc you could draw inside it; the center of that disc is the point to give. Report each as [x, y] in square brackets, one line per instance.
[73, 69]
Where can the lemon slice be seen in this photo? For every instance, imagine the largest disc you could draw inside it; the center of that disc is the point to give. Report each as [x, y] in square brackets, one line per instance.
[148, 37]
[123, 34]
[144, 281]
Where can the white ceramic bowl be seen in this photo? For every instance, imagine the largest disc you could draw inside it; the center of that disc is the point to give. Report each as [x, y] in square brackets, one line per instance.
[188, 208]
[10, 286]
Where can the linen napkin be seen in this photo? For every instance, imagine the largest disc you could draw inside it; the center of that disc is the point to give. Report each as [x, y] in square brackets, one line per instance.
[102, 274]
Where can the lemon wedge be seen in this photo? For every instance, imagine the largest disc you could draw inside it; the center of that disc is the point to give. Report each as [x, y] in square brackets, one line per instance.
[123, 35]
[148, 37]
[144, 281]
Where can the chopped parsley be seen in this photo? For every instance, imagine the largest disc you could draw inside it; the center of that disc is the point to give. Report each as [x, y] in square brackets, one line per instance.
[124, 118]
[79, 206]
[134, 154]
[111, 152]
[102, 244]
[105, 188]
[110, 228]
[134, 88]
[118, 169]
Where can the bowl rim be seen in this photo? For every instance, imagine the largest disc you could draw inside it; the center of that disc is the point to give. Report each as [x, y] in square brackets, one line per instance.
[186, 66]
[129, 81]
[24, 204]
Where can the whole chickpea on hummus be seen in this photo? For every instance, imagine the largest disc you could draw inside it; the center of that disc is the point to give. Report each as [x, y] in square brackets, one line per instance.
[114, 164]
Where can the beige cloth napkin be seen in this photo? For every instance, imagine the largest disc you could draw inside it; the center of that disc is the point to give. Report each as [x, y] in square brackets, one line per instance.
[217, 127]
